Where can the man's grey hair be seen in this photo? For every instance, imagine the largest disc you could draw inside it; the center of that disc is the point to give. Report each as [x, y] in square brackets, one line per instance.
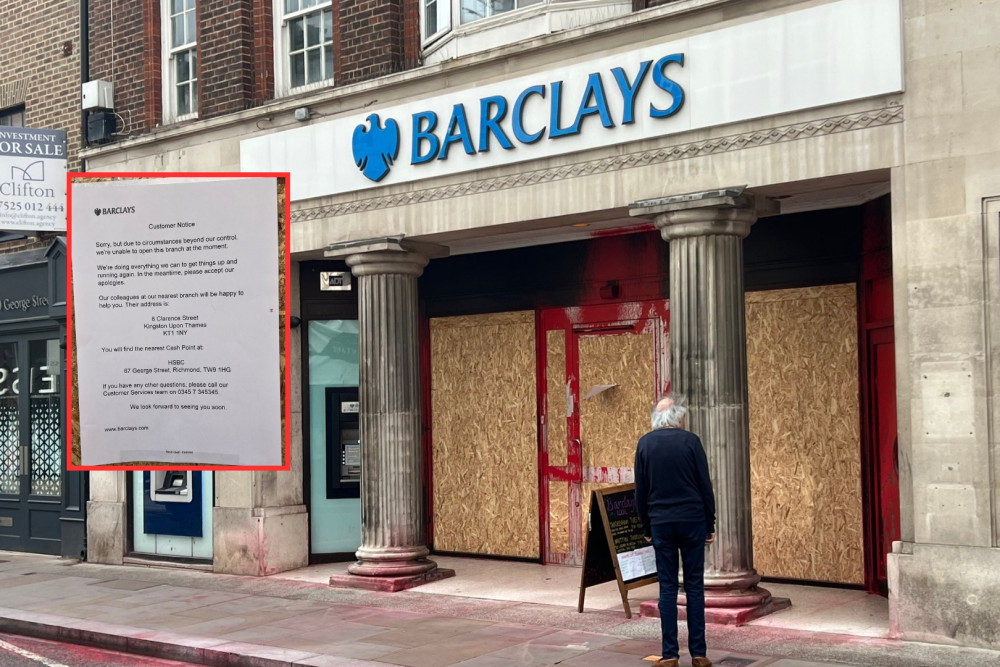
[669, 412]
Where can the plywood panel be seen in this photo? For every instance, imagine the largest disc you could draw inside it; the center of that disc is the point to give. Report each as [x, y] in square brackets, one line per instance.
[556, 395]
[484, 449]
[559, 517]
[613, 421]
[805, 466]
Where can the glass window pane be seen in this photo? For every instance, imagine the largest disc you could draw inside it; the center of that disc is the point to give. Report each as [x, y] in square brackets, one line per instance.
[309, 3]
[189, 4]
[176, 6]
[191, 34]
[298, 69]
[291, 6]
[333, 353]
[500, 6]
[183, 99]
[328, 61]
[327, 26]
[183, 71]
[10, 426]
[177, 30]
[43, 410]
[473, 9]
[430, 18]
[295, 34]
[312, 29]
[194, 96]
[314, 65]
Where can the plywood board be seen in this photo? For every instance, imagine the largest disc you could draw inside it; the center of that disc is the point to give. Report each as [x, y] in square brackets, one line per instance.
[557, 395]
[484, 435]
[612, 422]
[805, 466]
[558, 517]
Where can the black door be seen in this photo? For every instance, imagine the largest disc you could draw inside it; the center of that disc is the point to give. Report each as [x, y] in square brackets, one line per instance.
[31, 443]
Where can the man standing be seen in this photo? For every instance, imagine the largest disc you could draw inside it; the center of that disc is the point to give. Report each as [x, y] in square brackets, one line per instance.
[674, 497]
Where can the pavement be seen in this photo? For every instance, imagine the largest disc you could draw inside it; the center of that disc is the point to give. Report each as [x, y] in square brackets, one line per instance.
[213, 619]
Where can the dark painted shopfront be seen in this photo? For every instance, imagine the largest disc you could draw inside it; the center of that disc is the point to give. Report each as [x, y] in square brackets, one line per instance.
[41, 504]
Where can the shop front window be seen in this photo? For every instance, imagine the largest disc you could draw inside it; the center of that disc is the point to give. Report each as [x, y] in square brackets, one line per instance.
[10, 425]
[44, 411]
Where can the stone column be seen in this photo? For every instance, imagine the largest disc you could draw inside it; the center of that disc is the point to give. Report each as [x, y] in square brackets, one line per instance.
[393, 554]
[708, 365]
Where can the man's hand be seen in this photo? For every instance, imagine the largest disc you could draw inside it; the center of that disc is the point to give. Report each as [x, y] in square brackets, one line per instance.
[649, 540]
[711, 538]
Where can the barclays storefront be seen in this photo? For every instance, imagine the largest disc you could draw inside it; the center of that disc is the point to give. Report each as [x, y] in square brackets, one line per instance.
[523, 225]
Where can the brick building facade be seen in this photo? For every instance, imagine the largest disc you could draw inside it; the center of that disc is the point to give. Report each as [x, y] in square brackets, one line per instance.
[40, 80]
[42, 506]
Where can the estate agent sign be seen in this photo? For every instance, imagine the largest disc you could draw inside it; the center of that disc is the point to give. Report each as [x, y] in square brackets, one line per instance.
[32, 179]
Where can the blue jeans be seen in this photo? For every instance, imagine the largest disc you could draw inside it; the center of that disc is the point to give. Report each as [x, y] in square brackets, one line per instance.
[689, 538]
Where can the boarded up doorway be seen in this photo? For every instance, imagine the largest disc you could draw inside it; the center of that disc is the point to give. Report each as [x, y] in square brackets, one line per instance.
[602, 369]
[484, 451]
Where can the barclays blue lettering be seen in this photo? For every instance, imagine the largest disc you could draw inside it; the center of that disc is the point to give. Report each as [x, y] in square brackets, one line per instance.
[376, 148]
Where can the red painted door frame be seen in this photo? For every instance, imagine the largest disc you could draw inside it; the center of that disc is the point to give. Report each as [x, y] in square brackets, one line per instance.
[600, 319]
[879, 448]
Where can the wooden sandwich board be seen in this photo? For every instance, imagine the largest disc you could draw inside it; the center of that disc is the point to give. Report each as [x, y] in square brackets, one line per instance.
[615, 548]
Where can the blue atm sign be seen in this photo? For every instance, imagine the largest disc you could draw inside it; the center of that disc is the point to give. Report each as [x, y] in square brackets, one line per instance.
[498, 121]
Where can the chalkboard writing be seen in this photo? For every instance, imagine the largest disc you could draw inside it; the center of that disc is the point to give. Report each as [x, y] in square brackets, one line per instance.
[616, 549]
[623, 518]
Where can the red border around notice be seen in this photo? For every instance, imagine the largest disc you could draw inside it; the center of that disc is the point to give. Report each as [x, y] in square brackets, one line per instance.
[69, 312]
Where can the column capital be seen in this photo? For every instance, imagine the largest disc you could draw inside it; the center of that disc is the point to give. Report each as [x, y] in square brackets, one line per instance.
[726, 211]
[387, 255]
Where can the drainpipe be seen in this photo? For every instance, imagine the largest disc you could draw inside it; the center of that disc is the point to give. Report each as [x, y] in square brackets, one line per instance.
[84, 65]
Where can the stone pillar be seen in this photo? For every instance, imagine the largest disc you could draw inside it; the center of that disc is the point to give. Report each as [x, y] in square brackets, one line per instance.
[708, 365]
[393, 553]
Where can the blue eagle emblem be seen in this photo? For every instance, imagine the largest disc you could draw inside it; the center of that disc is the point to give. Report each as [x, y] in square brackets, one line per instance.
[375, 147]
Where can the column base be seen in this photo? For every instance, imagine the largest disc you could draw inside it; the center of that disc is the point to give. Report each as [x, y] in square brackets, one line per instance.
[389, 583]
[729, 614]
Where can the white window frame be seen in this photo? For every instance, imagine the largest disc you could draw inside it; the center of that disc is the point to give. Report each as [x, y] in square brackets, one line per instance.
[445, 10]
[282, 45]
[169, 82]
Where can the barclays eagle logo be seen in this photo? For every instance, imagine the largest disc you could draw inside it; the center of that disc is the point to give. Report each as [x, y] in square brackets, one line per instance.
[375, 147]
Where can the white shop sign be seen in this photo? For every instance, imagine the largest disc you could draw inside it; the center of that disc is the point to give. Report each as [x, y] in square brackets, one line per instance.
[835, 52]
[176, 308]
[32, 179]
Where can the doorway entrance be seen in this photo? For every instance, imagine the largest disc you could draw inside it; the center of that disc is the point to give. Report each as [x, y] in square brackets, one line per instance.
[31, 443]
[601, 368]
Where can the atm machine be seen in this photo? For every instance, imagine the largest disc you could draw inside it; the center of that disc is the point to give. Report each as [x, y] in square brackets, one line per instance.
[172, 502]
[343, 443]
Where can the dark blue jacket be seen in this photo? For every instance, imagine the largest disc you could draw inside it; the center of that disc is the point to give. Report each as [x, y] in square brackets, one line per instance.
[672, 482]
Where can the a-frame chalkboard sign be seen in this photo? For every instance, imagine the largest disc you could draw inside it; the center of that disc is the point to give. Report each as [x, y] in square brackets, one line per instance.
[615, 548]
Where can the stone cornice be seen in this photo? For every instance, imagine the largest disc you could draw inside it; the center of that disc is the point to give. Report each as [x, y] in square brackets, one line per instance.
[826, 126]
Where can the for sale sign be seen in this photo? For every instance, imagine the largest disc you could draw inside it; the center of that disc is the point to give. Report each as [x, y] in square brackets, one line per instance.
[32, 179]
